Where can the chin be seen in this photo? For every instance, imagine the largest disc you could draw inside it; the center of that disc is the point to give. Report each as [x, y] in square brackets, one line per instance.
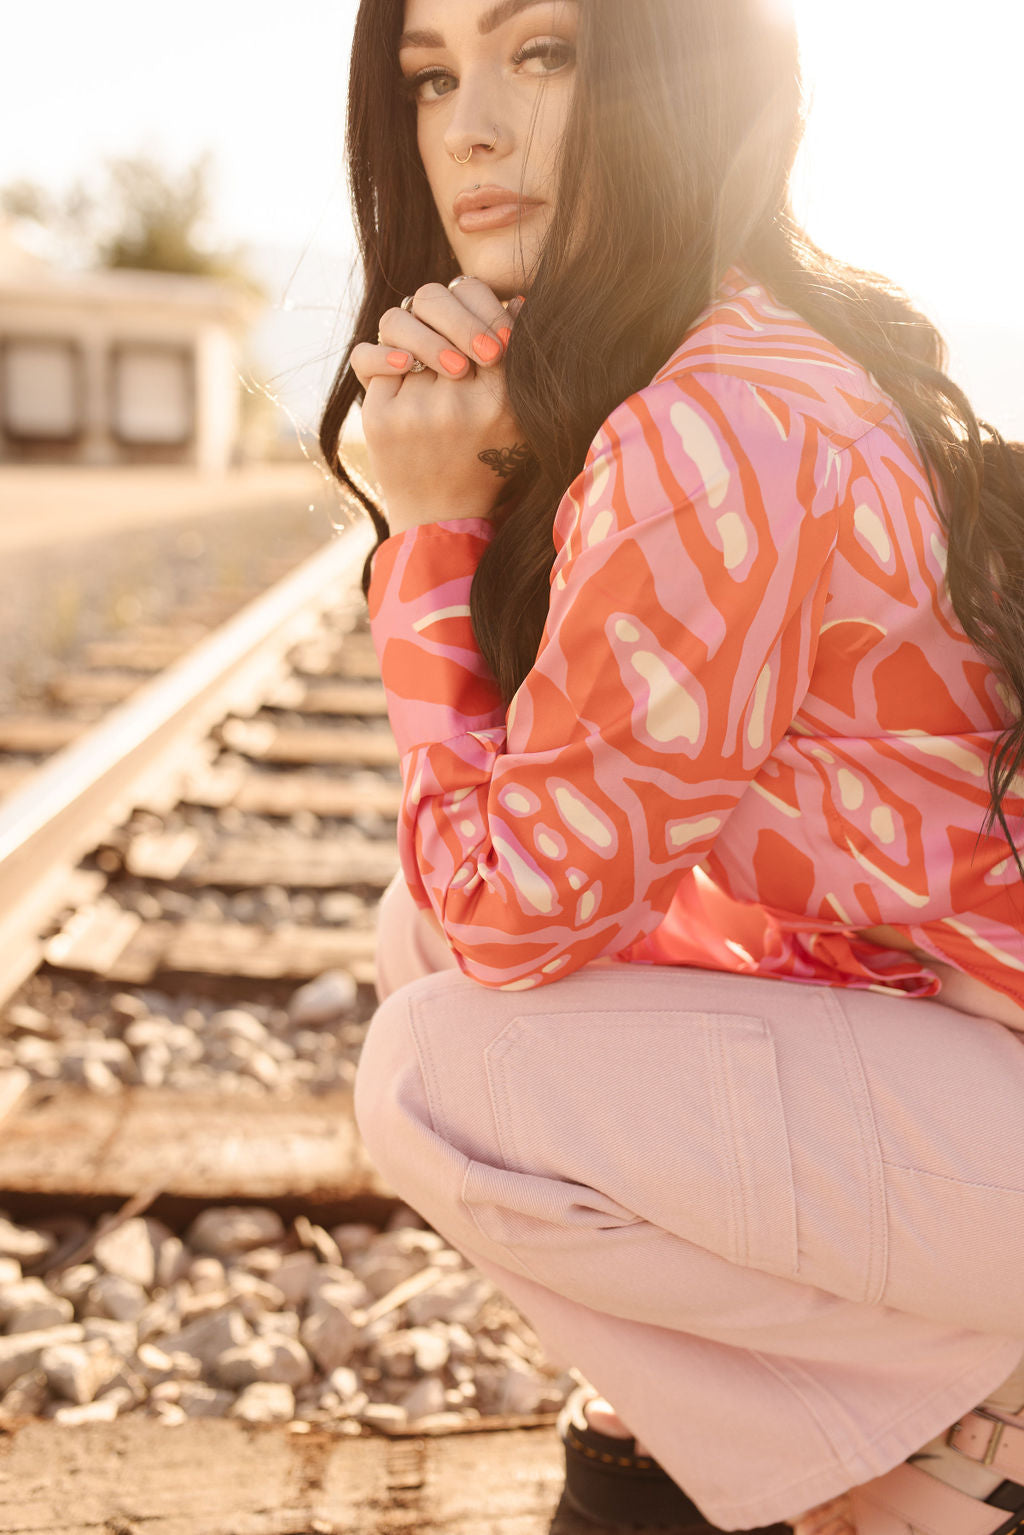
[501, 267]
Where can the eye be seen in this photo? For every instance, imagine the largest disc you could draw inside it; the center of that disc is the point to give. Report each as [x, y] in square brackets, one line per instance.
[411, 85]
[561, 53]
[557, 54]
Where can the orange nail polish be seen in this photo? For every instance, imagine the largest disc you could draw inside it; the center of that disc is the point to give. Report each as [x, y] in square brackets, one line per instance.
[398, 359]
[505, 332]
[452, 362]
[486, 348]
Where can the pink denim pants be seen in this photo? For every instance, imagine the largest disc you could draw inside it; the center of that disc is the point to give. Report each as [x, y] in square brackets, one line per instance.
[780, 1227]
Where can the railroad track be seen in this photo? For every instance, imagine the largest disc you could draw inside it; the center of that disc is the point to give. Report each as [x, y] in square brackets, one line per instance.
[193, 1230]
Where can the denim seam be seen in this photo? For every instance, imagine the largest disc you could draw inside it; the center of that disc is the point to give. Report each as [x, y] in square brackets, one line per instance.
[870, 1149]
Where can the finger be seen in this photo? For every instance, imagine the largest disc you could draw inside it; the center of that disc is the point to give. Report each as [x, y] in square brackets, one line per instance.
[470, 316]
[401, 330]
[368, 362]
[484, 304]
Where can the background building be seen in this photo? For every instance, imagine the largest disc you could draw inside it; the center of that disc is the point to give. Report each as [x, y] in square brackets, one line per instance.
[118, 366]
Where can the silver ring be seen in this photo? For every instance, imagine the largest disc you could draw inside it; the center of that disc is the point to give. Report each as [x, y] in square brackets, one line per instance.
[407, 302]
[416, 366]
[463, 277]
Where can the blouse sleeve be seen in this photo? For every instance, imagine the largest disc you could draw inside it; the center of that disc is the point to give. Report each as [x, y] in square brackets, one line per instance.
[691, 572]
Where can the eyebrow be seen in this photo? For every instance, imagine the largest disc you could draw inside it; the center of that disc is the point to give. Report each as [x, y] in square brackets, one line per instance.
[490, 22]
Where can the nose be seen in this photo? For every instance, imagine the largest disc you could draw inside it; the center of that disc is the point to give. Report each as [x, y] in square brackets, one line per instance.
[472, 125]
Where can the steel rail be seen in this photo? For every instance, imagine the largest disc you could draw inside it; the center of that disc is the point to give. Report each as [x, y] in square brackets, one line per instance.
[81, 793]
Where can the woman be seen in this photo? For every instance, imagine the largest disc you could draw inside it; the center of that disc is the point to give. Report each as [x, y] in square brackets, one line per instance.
[698, 604]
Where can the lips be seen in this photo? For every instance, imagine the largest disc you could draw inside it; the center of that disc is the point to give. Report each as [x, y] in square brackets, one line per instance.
[490, 207]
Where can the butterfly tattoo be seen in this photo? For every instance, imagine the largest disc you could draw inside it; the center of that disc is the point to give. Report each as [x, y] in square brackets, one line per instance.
[505, 461]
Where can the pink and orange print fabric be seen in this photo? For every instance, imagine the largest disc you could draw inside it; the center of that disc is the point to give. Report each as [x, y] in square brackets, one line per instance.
[754, 726]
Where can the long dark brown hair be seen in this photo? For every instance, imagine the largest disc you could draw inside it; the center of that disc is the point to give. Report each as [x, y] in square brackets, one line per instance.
[684, 125]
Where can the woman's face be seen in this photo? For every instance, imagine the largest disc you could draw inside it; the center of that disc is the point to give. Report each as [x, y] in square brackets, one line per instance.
[476, 69]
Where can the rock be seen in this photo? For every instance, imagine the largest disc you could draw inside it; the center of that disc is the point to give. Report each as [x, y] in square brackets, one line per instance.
[430, 1349]
[78, 1371]
[381, 1273]
[353, 1237]
[28, 1306]
[243, 1025]
[26, 1245]
[276, 1358]
[293, 1276]
[111, 1296]
[209, 1337]
[356, 1296]
[456, 1297]
[74, 1283]
[322, 1243]
[172, 1262]
[330, 997]
[10, 1271]
[19, 1352]
[226, 1230]
[199, 1401]
[267, 1324]
[330, 1335]
[122, 1336]
[344, 1382]
[427, 1396]
[522, 1392]
[29, 1020]
[103, 1411]
[26, 1397]
[265, 1401]
[128, 1252]
[386, 1414]
[206, 1275]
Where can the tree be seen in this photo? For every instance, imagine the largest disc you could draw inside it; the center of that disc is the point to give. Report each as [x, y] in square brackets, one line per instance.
[144, 217]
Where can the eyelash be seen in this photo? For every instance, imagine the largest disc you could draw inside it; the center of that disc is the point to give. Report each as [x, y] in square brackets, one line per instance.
[409, 85]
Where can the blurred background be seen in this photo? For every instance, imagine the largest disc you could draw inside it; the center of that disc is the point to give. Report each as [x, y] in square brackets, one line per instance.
[177, 272]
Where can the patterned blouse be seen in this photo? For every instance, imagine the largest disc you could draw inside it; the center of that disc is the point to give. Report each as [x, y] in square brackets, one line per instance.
[754, 726]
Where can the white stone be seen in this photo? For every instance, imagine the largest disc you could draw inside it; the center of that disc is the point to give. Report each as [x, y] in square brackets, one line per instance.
[209, 1337]
[78, 1371]
[122, 1336]
[324, 1000]
[330, 1336]
[456, 1297]
[431, 1350]
[199, 1401]
[19, 1242]
[172, 1262]
[427, 1396]
[19, 1352]
[522, 1392]
[128, 1252]
[74, 1283]
[265, 1401]
[28, 1298]
[242, 1025]
[112, 1296]
[293, 1276]
[26, 1397]
[103, 1411]
[10, 1271]
[206, 1275]
[387, 1414]
[274, 1358]
[226, 1230]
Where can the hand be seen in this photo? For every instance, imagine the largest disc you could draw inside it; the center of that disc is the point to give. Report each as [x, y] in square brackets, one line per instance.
[440, 442]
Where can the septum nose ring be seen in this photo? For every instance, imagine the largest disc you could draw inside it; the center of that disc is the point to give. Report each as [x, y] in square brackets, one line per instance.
[469, 156]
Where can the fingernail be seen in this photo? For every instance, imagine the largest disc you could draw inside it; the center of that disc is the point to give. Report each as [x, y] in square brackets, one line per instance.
[515, 304]
[398, 359]
[486, 348]
[505, 332]
[453, 362]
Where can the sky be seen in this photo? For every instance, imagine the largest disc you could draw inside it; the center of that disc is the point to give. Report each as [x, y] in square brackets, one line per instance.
[911, 166]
